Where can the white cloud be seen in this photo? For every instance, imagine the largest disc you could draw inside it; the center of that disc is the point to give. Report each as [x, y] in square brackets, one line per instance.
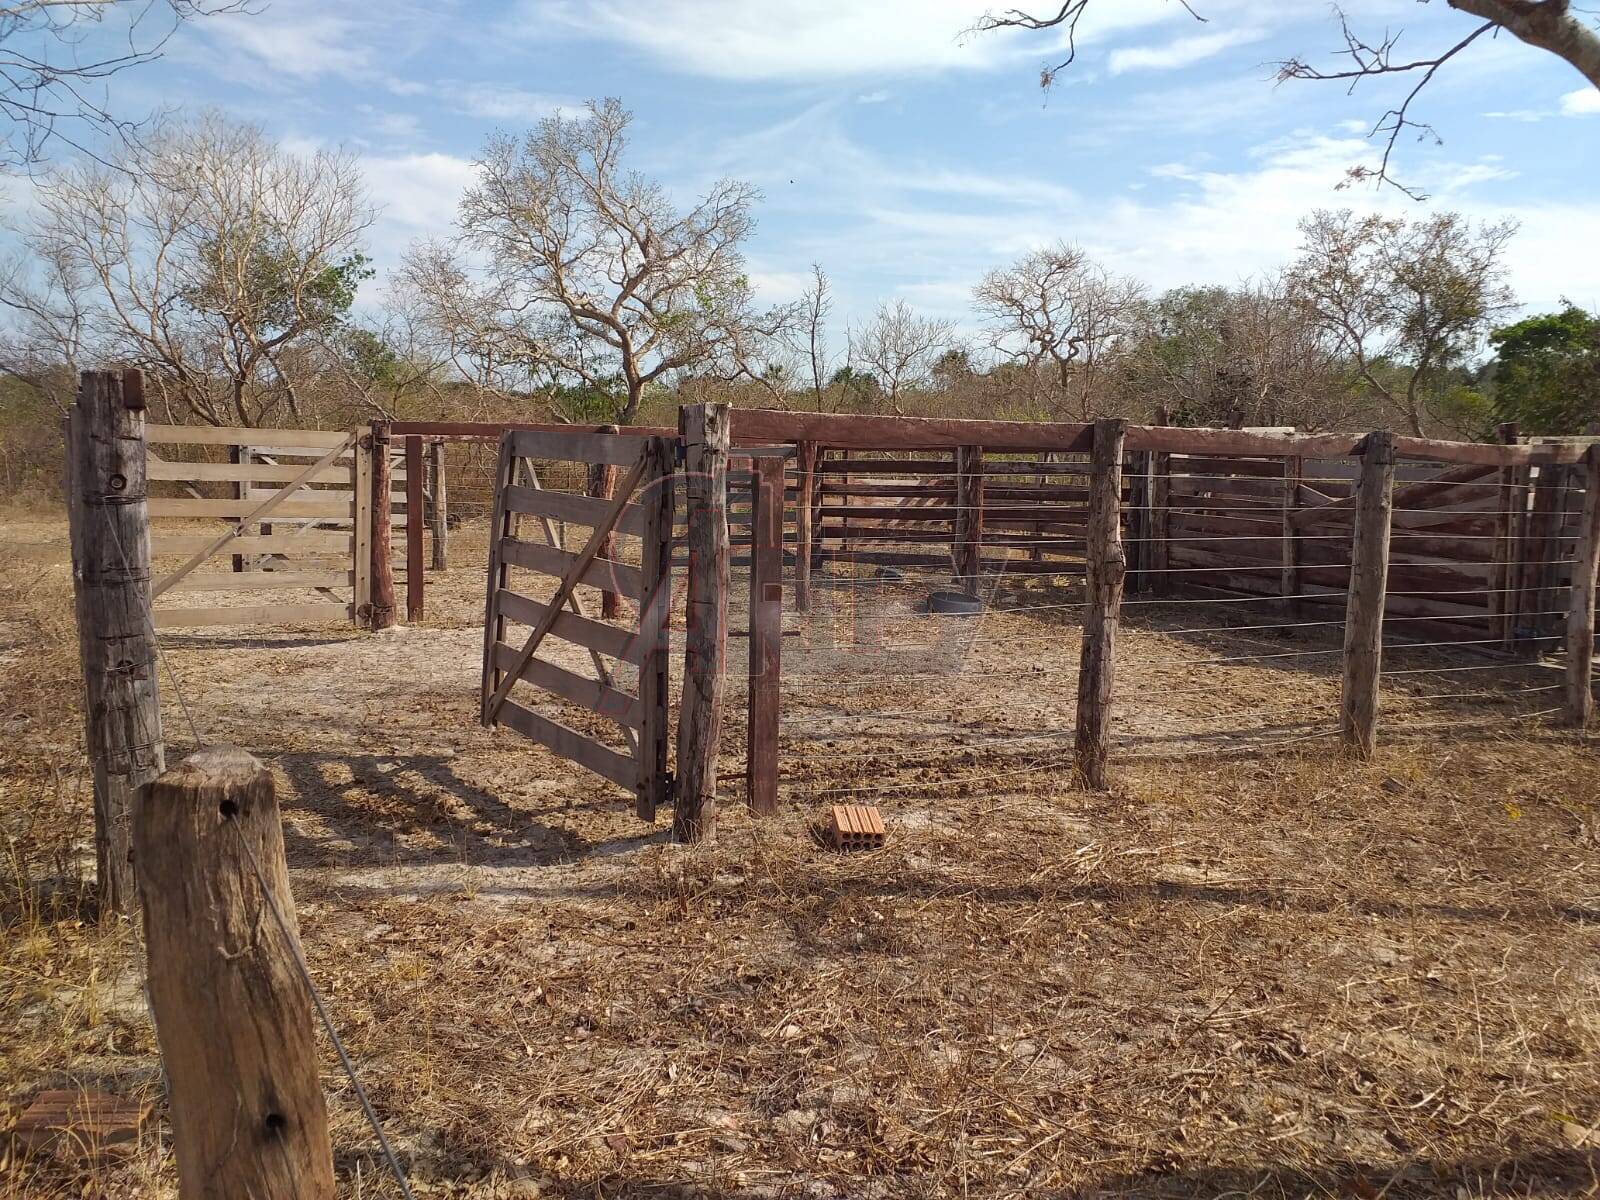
[417, 196]
[818, 39]
[873, 97]
[289, 40]
[495, 102]
[1581, 103]
[1180, 52]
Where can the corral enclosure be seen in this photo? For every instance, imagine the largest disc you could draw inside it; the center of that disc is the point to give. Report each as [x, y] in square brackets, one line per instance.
[1254, 965]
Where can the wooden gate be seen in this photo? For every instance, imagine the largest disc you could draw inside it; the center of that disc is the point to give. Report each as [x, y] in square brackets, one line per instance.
[641, 508]
[278, 512]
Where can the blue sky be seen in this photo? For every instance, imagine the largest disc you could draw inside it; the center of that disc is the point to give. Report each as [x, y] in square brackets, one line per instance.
[907, 158]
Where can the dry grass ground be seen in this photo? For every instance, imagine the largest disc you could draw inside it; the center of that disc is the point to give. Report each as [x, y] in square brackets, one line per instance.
[1271, 974]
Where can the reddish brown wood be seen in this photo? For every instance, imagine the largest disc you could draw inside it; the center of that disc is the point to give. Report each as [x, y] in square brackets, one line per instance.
[805, 487]
[382, 612]
[655, 626]
[414, 526]
[766, 638]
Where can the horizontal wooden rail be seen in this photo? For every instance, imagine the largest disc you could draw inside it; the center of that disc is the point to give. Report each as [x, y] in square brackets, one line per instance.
[601, 573]
[274, 614]
[208, 435]
[567, 506]
[592, 694]
[570, 627]
[610, 764]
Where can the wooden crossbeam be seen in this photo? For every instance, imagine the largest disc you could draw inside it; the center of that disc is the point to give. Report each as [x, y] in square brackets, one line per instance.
[568, 582]
[264, 509]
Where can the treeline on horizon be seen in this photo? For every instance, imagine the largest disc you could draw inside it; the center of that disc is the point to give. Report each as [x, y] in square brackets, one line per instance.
[571, 288]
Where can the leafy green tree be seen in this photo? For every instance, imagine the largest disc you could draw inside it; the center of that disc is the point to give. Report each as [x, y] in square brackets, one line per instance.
[1546, 372]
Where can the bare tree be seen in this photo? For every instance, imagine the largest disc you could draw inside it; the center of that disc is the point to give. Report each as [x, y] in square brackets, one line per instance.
[591, 273]
[207, 255]
[51, 91]
[1059, 309]
[900, 347]
[1405, 301]
[1548, 25]
[1243, 356]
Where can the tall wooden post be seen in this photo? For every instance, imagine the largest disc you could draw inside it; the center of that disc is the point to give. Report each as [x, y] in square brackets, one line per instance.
[602, 482]
[704, 429]
[805, 484]
[766, 636]
[414, 521]
[232, 1012]
[1508, 529]
[1107, 565]
[109, 520]
[967, 546]
[655, 626]
[1369, 575]
[1289, 574]
[439, 514]
[1160, 558]
[1580, 605]
[382, 585]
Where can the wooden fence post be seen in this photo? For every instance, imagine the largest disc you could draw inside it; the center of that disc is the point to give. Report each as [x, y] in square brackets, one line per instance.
[967, 550]
[766, 636]
[1160, 558]
[232, 1013]
[1364, 602]
[1289, 574]
[602, 482]
[1106, 566]
[704, 429]
[1507, 539]
[382, 584]
[440, 513]
[414, 520]
[805, 477]
[361, 543]
[109, 519]
[655, 627]
[1580, 606]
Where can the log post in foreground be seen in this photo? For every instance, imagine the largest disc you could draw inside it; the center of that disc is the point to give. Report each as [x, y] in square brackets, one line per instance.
[1580, 604]
[1369, 576]
[1106, 572]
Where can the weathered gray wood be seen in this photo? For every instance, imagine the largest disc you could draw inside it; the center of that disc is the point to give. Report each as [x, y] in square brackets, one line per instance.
[602, 482]
[602, 445]
[655, 627]
[766, 638]
[1369, 573]
[415, 593]
[1581, 603]
[232, 1012]
[440, 512]
[608, 701]
[110, 536]
[569, 506]
[1160, 522]
[704, 428]
[1107, 569]
[967, 546]
[1289, 576]
[494, 623]
[1506, 528]
[361, 531]
[382, 612]
[610, 764]
[601, 573]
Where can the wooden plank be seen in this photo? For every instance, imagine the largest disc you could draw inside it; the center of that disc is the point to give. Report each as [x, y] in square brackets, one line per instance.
[765, 611]
[415, 594]
[494, 620]
[568, 743]
[1213, 443]
[610, 447]
[266, 614]
[380, 613]
[655, 628]
[704, 429]
[851, 431]
[569, 582]
[600, 573]
[439, 511]
[361, 525]
[805, 488]
[567, 506]
[208, 435]
[602, 483]
[570, 627]
[1363, 622]
[1107, 567]
[592, 694]
[251, 472]
[250, 509]
[255, 581]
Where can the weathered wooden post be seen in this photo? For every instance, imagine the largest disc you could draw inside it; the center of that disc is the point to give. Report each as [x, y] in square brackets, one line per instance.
[766, 636]
[1580, 606]
[109, 521]
[602, 482]
[415, 597]
[655, 626]
[1364, 602]
[1107, 566]
[1289, 571]
[232, 1012]
[805, 477]
[967, 549]
[1160, 558]
[439, 514]
[1508, 528]
[704, 429]
[382, 584]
